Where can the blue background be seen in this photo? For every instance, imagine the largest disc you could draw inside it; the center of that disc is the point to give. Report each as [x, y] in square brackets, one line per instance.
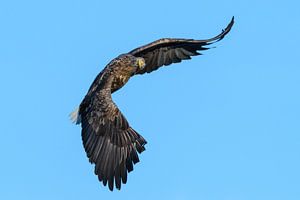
[221, 126]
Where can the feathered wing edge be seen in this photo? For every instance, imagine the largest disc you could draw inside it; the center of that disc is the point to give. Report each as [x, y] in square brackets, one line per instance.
[221, 35]
[110, 142]
[166, 51]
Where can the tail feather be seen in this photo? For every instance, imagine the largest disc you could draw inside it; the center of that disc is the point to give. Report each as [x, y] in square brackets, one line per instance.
[75, 116]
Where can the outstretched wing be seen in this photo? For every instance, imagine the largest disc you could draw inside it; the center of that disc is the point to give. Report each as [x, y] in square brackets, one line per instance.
[108, 139]
[167, 51]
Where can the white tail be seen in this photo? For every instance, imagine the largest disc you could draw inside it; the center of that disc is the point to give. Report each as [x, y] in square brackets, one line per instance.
[75, 117]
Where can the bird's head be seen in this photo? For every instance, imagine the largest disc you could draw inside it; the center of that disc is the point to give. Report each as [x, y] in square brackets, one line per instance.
[140, 63]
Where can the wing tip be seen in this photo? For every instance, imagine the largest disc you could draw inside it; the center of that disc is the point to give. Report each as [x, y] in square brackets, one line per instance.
[231, 23]
[226, 30]
[222, 34]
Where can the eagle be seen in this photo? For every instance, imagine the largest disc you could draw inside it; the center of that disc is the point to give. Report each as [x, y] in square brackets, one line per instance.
[108, 139]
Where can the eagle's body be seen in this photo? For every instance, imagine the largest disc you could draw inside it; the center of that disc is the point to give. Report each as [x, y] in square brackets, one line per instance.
[109, 141]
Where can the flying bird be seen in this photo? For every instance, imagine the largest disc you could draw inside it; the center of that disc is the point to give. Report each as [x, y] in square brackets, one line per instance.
[108, 139]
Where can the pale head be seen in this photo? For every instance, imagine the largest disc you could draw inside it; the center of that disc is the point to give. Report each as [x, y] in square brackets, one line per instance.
[140, 62]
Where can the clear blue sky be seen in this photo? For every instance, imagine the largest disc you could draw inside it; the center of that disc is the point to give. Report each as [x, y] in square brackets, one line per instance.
[223, 126]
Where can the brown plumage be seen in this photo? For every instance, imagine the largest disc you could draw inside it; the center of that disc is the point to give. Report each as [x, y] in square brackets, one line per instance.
[108, 139]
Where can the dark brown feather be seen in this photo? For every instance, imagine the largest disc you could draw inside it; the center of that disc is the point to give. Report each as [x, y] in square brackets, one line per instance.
[172, 50]
[108, 139]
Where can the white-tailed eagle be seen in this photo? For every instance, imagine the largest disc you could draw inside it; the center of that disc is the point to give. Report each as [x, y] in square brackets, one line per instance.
[108, 139]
